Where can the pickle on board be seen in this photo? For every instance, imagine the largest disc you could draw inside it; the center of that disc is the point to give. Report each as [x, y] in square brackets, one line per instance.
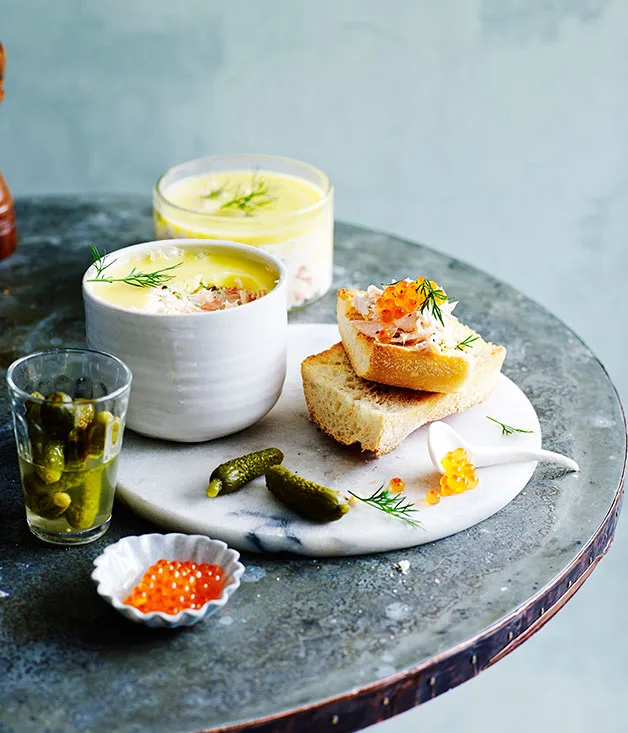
[51, 462]
[82, 512]
[309, 500]
[237, 472]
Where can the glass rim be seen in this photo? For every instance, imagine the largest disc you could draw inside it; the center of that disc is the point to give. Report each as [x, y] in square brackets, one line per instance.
[260, 217]
[69, 350]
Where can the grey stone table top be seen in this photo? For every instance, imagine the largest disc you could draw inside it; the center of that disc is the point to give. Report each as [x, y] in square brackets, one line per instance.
[334, 644]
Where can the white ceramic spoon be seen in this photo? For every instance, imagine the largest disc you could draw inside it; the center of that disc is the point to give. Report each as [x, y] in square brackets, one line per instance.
[442, 438]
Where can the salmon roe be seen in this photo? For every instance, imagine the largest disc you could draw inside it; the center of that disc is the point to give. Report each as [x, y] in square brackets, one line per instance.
[459, 476]
[459, 473]
[432, 497]
[171, 586]
[405, 297]
[397, 485]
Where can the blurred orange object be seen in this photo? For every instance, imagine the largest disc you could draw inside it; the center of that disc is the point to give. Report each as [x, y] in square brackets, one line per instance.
[8, 232]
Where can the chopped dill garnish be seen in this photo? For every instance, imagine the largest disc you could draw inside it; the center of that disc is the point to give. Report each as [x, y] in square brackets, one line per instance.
[396, 506]
[508, 429]
[135, 277]
[242, 199]
[216, 193]
[467, 343]
[431, 297]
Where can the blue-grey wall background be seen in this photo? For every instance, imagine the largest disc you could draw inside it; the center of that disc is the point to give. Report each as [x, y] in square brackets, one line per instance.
[494, 130]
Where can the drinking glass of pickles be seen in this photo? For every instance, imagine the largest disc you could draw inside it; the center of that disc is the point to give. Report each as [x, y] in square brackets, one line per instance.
[69, 408]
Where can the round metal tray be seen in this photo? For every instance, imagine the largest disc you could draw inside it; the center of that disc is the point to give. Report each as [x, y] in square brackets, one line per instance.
[305, 645]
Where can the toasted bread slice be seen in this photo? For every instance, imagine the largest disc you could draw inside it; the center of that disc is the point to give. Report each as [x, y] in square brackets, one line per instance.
[354, 410]
[407, 366]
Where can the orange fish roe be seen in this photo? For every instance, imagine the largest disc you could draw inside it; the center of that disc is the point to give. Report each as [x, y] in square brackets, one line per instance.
[170, 586]
[459, 476]
[403, 298]
[397, 485]
[460, 472]
[432, 497]
[445, 489]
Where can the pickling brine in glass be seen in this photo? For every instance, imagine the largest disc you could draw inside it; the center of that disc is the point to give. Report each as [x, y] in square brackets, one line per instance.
[80, 499]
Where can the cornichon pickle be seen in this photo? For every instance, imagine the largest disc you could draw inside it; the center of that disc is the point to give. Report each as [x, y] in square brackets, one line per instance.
[116, 425]
[50, 462]
[83, 388]
[97, 435]
[34, 487]
[63, 383]
[82, 512]
[76, 448]
[38, 443]
[49, 501]
[309, 500]
[99, 389]
[84, 413]
[33, 417]
[33, 407]
[69, 481]
[53, 505]
[234, 474]
[57, 415]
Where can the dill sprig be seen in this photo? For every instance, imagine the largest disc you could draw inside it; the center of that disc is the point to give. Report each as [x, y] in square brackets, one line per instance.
[431, 297]
[135, 277]
[216, 193]
[251, 198]
[396, 506]
[98, 260]
[508, 429]
[467, 343]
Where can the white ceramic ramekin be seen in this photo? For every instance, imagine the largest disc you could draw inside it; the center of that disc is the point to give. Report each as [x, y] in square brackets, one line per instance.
[196, 376]
[121, 566]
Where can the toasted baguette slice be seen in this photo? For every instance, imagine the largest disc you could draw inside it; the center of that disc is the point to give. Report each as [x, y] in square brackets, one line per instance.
[405, 366]
[379, 418]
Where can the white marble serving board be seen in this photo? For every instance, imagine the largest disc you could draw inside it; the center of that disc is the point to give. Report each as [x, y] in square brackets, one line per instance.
[166, 482]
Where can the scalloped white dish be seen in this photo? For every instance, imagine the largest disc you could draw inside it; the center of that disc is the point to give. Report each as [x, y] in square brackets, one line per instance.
[121, 566]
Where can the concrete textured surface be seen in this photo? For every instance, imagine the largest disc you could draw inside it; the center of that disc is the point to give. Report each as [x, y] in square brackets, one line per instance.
[492, 130]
